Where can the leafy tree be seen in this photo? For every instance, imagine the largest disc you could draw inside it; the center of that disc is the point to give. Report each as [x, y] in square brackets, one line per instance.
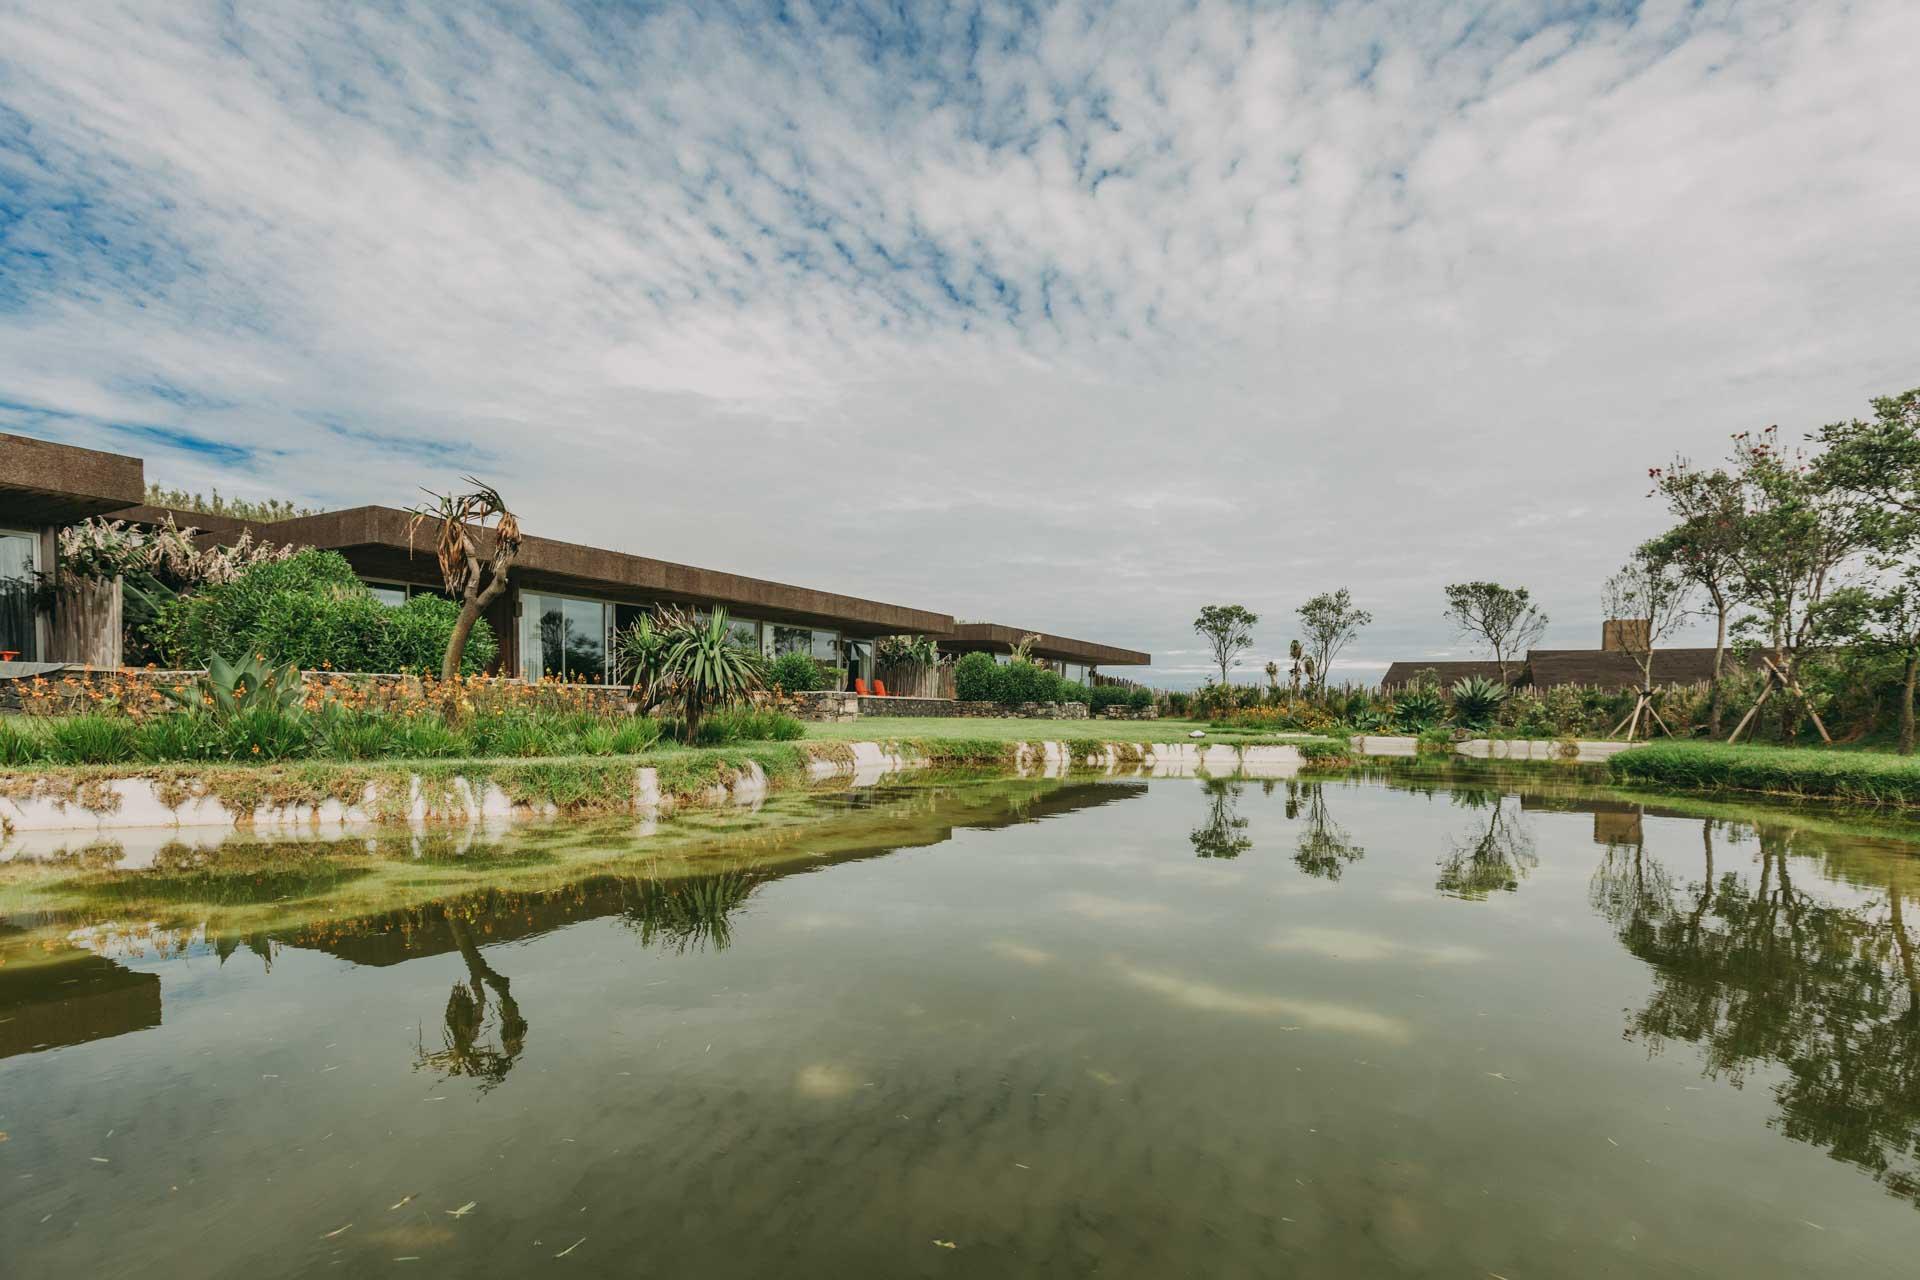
[471, 579]
[1889, 622]
[1503, 619]
[1877, 460]
[1800, 535]
[1704, 549]
[1649, 591]
[1223, 834]
[1331, 621]
[1228, 628]
[1325, 847]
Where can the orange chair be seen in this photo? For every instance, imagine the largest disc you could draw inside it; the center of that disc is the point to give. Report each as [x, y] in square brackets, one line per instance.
[860, 686]
[880, 689]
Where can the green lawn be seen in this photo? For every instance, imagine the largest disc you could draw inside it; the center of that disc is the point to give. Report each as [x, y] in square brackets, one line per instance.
[896, 728]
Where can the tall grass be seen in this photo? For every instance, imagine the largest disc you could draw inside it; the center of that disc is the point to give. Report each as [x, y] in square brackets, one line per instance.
[1860, 777]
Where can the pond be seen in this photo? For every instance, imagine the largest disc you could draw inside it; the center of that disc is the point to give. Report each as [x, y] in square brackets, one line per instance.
[1422, 1021]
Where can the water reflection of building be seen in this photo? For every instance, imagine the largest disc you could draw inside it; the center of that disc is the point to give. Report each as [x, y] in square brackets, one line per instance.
[87, 996]
[71, 1001]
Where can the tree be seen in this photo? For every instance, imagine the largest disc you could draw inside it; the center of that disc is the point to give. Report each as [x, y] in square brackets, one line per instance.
[1890, 624]
[1704, 548]
[1651, 592]
[1503, 619]
[471, 579]
[1800, 534]
[1228, 628]
[1331, 623]
[1878, 460]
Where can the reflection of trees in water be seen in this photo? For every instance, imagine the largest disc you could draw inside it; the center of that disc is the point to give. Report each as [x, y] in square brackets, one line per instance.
[1325, 847]
[1492, 855]
[686, 913]
[469, 1019]
[1222, 835]
[1755, 971]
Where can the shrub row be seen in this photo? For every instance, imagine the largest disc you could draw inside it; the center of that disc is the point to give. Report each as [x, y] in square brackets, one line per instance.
[978, 678]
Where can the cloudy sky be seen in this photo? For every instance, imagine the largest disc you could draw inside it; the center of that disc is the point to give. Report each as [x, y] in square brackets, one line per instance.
[1072, 317]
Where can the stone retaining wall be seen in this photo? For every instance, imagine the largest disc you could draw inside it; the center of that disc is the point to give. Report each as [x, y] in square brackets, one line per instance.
[836, 707]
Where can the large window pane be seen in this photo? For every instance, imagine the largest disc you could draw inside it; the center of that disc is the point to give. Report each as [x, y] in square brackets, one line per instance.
[586, 640]
[16, 595]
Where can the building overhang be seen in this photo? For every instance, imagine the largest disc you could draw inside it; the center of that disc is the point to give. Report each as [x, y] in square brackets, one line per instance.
[42, 483]
[375, 540]
[993, 637]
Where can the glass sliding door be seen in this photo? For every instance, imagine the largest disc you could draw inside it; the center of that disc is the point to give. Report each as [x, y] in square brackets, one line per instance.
[18, 617]
[564, 638]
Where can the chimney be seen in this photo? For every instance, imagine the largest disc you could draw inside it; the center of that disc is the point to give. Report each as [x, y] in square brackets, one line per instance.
[1616, 634]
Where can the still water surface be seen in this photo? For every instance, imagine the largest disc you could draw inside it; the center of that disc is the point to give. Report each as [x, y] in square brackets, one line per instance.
[1401, 1025]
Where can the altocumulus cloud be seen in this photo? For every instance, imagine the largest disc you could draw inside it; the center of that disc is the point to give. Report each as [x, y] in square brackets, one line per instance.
[1076, 316]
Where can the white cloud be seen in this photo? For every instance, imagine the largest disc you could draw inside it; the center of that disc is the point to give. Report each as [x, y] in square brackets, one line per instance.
[1076, 327]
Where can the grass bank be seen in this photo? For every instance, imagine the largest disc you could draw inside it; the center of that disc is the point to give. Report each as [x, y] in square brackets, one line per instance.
[935, 729]
[1858, 777]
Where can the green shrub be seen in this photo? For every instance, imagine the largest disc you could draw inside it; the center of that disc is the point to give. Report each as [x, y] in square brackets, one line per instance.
[1073, 691]
[91, 739]
[977, 678]
[419, 631]
[747, 724]
[1108, 695]
[637, 733]
[796, 673]
[20, 744]
[311, 610]
[266, 732]
[340, 734]
[1139, 699]
[183, 735]
[1179, 704]
[427, 737]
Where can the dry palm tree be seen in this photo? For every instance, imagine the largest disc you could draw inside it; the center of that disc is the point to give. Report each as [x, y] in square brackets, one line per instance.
[473, 580]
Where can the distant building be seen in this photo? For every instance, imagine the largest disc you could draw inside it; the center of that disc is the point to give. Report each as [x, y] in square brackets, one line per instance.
[1610, 666]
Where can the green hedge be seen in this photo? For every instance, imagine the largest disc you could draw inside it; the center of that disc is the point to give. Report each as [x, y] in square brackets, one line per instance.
[1860, 776]
[978, 678]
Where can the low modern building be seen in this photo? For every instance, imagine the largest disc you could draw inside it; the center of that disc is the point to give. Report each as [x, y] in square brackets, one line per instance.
[565, 604]
[1610, 666]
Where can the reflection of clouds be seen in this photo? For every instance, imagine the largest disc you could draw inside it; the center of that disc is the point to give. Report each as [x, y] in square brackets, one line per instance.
[1095, 906]
[1197, 873]
[1348, 944]
[816, 921]
[1320, 1014]
[825, 1080]
[1021, 951]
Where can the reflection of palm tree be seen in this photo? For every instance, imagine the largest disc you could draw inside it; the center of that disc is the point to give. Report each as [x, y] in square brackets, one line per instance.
[1761, 972]
[1220, 835]
[686, 913]
[467, 1019]
[1489, 860]
[1325, 848]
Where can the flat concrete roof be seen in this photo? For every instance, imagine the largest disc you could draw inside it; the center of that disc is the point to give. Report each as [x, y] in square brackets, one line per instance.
[375, 540]
[993, 637]
[44, 483]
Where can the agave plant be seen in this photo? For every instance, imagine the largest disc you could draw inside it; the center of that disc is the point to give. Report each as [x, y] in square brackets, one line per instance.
[708, 669]
[230, 689]
[1477, 700]
[1418, 708]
